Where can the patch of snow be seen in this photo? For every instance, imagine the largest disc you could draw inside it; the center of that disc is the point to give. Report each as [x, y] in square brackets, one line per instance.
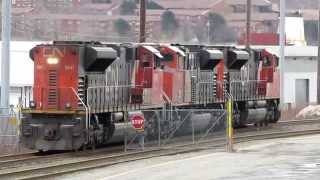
[310, 112]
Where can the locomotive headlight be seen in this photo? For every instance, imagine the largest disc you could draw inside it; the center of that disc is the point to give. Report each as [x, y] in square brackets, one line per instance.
[52, 60]
[32, 104]
[68, 105]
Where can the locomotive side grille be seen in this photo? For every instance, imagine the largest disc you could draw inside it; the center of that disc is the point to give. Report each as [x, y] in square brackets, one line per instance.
[52, 90]
[194, 90]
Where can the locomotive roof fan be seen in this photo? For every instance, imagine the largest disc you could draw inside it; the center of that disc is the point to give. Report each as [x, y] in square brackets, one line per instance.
[209, 58]
[99, 58]
[237, 58]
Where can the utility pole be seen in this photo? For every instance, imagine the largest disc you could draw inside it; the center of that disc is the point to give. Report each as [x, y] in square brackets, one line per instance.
[282, 48]
[5, 57]
[318, 71]
[209, 28]
[142, 37]
[248, 28]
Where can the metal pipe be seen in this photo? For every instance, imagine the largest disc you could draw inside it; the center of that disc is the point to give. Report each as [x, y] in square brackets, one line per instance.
[142, 21]
[248, 31]
[318, 63]
[282, 49]
[5, 59]
[86, 108]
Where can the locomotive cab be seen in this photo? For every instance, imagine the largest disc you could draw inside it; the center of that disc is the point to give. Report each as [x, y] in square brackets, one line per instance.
[55, 77]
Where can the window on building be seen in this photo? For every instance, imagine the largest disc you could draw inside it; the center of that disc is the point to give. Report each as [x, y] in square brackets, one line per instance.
[264, 9]
[101, 1]
[240, 8]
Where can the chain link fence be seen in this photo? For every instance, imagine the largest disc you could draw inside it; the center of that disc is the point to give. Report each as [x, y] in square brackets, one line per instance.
[9, 130]
[204, 128]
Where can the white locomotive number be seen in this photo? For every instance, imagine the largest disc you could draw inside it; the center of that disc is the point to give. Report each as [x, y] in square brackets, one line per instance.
[68, 67]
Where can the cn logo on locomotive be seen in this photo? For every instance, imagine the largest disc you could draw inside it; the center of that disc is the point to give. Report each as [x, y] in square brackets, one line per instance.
[54, 51]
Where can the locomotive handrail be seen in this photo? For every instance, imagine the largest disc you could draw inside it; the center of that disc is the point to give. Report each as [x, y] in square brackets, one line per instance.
[252, 85]
[86, 108]
[237, 81]
[166, 96]
[130, 85]
[219, 83]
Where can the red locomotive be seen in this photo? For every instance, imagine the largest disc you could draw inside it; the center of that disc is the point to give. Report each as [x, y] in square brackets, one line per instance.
[82, 90]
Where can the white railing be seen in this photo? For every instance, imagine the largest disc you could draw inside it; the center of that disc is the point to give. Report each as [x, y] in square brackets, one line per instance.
[248, 89]
[87, 111]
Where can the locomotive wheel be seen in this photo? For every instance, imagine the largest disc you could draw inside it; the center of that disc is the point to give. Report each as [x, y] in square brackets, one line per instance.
[276, 114]
[261, 123]
[83, 148]
[243, 115]
[265, 123]
[93, 146]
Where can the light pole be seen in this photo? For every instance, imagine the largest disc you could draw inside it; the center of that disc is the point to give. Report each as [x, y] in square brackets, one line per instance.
[5, 57]
[208, 26]
[248, 28]
[282, 49]
[318, 63]
[142, 37]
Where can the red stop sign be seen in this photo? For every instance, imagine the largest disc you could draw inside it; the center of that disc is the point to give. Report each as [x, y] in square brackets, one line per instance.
[137, 122]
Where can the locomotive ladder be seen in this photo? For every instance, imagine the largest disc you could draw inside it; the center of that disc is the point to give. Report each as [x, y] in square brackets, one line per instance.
[81, 91]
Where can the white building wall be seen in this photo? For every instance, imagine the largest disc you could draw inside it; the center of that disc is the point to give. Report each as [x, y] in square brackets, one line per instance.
[290, 86]
[21, 67]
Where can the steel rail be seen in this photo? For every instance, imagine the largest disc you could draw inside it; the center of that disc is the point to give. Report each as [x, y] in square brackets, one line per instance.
[294, 122]
[16, 161]
[15, 157]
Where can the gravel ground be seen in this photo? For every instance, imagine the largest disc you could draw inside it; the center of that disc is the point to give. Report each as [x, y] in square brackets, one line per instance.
[290, 158]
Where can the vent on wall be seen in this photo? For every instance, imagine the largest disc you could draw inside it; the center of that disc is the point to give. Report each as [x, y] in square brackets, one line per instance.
[52, 90]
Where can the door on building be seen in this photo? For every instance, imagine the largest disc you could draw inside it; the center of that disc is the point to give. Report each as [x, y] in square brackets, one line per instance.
[302, 92]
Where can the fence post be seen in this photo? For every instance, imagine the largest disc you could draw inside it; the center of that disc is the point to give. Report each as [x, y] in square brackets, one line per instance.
[19, 125]
[159, 126]
[229, 125]
[125, 116]
[192, 126]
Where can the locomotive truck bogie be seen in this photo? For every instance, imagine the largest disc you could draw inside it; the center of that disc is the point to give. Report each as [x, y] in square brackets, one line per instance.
[58, 132]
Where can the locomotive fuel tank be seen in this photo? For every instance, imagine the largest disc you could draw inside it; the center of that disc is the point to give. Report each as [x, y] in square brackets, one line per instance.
[255, 115]
[201, 122]
[256, 112]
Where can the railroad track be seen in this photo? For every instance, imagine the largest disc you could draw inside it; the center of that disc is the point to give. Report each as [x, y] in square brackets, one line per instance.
[60, 168]
[296, 122]
[8, 158]
[16, 161]
[36, 155]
